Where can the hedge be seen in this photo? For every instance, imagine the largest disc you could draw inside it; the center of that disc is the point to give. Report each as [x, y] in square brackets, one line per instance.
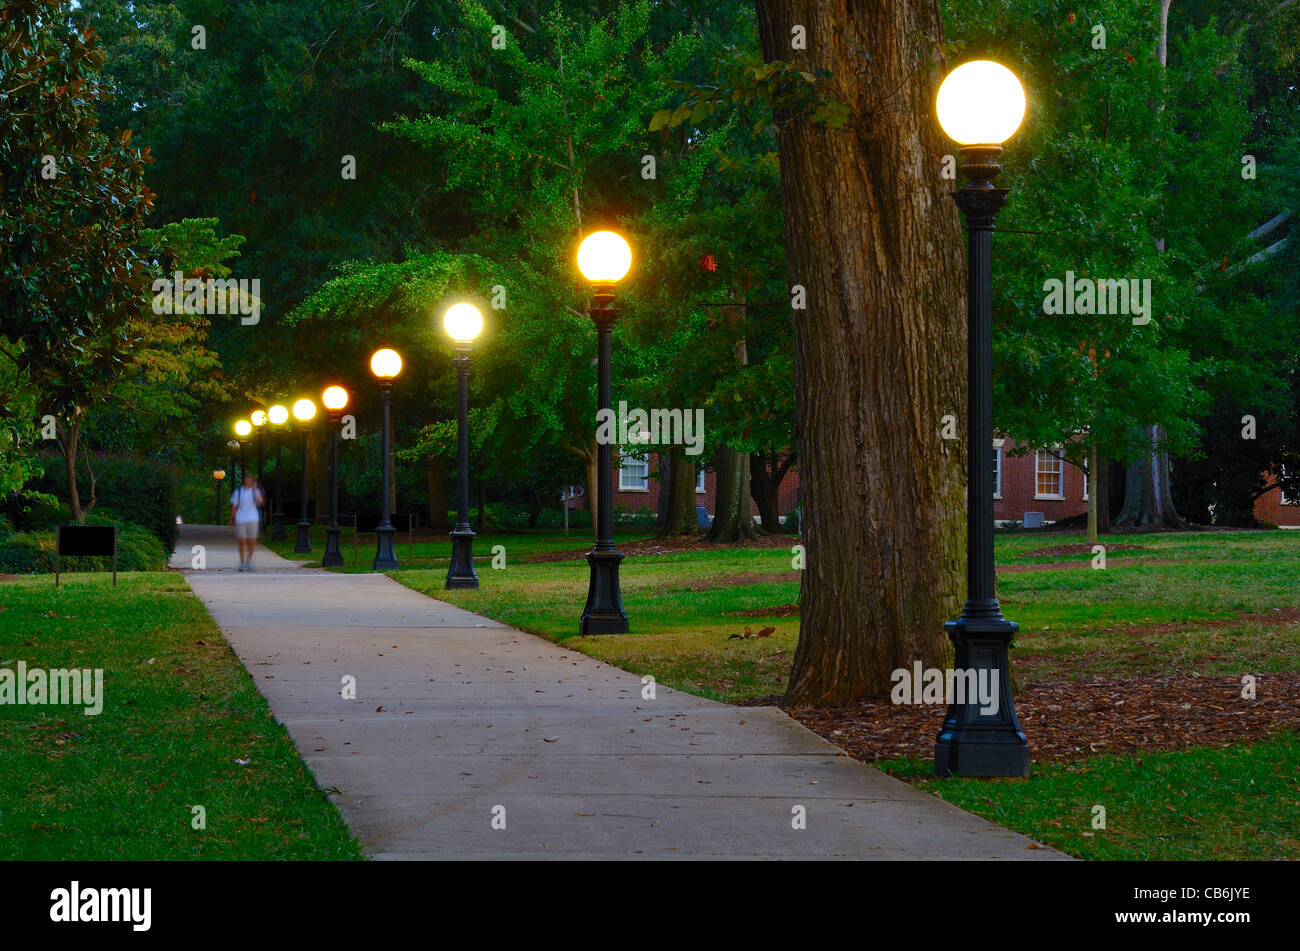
[136, 490]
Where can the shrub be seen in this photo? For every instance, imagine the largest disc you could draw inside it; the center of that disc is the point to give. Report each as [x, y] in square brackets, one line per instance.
[791, 524]
[137, 490]
[26, 553]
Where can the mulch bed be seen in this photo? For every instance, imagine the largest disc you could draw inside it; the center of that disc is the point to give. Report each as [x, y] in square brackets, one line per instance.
[780, 610]
[1080, 549]
[673, 545]
[1072, 720]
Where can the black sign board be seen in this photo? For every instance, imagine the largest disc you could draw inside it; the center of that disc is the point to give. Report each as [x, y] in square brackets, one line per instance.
[85, 540]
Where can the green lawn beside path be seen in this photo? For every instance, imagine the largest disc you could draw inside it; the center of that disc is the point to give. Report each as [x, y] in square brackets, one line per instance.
[182, 725]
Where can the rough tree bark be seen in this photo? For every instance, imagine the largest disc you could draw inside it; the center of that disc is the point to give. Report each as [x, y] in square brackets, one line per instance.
[873, 235]
[1148, 502]
[767, 470]
[678, 474]
[438, 520]
[733, 518]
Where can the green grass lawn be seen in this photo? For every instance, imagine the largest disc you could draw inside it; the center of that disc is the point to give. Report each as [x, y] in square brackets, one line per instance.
[1147, 612]
[179, 713]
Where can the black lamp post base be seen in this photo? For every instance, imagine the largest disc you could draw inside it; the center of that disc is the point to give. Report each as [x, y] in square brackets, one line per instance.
[277, 528]
[385, 557]
[604, 611]
[333, 556]
[303, 545]
[974, 742]
[461, 572]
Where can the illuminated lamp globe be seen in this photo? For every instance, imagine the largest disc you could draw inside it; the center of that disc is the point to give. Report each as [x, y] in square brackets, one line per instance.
[304, 410]
[385, 364]
[334, 398]
[277, 414]
[218, 474]
[463, 322]
[604, 257]
[243, 427]
[258, 418]
[980, 103]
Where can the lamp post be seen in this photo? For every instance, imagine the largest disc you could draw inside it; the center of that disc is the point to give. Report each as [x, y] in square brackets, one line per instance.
[604, 258]
[233, 446]
[304, 411]
[243, 429]
[258, 419]
[335, 399]
[218, 475]
[385, 364]
[980, 104]
[463, 323]
[278, 416]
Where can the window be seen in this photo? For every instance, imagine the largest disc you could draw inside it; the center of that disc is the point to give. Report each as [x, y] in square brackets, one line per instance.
[1087, 477]
[699, 479]
[1285, 499]
[633, 474]
[997, 471]
[1049, 481]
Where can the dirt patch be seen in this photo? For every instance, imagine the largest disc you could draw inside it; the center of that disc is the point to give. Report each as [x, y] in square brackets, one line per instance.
[780, 610]
[1072, 720]
[672, 545]
[732, 581]
[1080, 549]
[1275, 616]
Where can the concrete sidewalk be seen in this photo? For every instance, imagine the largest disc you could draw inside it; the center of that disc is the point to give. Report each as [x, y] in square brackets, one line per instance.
[459, 720]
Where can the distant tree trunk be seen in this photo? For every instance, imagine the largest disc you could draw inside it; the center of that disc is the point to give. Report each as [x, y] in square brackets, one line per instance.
[767, 470]
[438, 520]
[1094, 496]
[873, 236]
[1101, 488]
[733, 517]
[1148, 503]
[593, 493]
[70, 446]
[678, 472]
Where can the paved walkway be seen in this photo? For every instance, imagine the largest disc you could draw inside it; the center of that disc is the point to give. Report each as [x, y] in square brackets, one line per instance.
[458, 717]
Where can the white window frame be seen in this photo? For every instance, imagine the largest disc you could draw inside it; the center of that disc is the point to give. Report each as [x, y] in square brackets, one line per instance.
[1039, 455]
[641, 460]
[997, 468]
[1281, 492]
[699, 480]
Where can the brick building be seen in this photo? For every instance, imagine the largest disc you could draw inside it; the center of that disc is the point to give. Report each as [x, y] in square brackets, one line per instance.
[1038, 481]
[1277, 508]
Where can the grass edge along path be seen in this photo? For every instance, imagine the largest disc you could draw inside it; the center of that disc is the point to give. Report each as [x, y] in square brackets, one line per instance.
[182, 725]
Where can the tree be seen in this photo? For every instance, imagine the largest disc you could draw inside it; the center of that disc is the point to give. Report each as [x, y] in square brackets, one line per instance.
[872, 238]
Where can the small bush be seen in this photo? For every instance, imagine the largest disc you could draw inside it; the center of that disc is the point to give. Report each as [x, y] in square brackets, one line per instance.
[791, 524]
[26, 553]
[142, 491]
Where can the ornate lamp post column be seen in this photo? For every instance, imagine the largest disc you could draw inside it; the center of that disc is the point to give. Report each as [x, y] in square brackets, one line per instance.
[604, 258]
[335, 399]
[258, 419]
[463, 323]
[278, 416]
[218, 475]
[243, 429]
[385, 364]
[304, 411]
[980, 105]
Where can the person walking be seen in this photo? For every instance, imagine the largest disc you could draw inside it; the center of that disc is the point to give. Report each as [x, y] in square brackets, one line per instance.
[245, 514]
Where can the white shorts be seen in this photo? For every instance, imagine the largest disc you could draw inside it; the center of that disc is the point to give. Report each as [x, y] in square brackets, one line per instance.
[247, 531]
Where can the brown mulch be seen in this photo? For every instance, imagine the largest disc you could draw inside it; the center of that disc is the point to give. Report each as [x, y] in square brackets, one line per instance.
[1080, 549]
[780, 610]
[672, 545]
[1072, 720]
[729, 581]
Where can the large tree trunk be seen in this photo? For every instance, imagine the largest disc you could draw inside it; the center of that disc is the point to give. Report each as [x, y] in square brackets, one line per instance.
[873, 235]
[733, 517]
[1148, 502]
[1101, 488]
[438, 521]
[677, 471]
[767, 470]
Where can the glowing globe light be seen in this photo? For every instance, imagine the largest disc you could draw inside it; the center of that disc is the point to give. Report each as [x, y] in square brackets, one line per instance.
[243, 427]
[258, 418]
[385, 364]
[980, 103]
[604, 257]
[218, 474]
[304, 410]
[334, 398]
[462, 322]
[278, 415]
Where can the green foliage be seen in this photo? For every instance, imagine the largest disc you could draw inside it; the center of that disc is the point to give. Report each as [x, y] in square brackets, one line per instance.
[142, 491]
[34, 552]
